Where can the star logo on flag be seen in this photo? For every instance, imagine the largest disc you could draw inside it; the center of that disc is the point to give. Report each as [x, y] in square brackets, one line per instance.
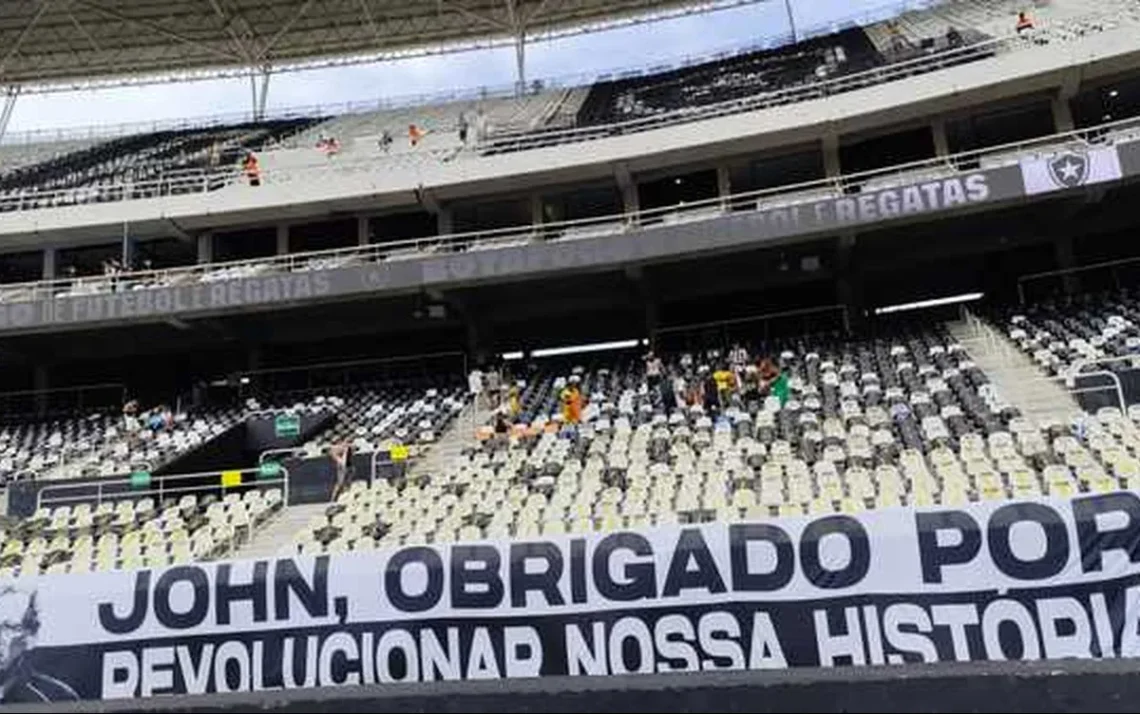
[1069, 170]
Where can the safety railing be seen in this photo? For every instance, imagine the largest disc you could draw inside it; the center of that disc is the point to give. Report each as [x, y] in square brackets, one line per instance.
[96, 492]
[197, 181]
[622, 226]
[864, 17]
[1045, 34]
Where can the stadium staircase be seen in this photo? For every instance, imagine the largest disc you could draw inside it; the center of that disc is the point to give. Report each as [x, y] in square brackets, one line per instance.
[459, 435]
[1018, 380]
[269, 540]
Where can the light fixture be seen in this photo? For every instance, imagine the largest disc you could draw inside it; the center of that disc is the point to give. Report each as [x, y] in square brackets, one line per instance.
[582, 349]
[934, 302]
[511, 356]
[1114, 93]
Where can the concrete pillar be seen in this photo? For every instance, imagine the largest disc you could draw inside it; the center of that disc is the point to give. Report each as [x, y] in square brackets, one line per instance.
[723, 184]
[1063, 255]
[941, 143]
[631, 203]
[363, 230]
[282, 239]
[1062, 114]
[128, 253]
[849, 286]
[41, 382]
[205, 248]
[830, 148]
[49, 264]
[444, 222]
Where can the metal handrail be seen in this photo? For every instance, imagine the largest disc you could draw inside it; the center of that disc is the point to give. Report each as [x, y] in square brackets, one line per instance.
[1069, 383]
[160, 492]
[270, 453]
[1043, 34]
[205, 179]
[617, 224]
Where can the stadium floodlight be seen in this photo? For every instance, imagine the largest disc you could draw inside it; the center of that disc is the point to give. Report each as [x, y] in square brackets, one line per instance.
[512, 356]
[587, 348]
[933, 302]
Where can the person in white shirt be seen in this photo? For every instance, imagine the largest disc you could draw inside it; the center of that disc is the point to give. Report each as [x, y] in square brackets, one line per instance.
[475, 385]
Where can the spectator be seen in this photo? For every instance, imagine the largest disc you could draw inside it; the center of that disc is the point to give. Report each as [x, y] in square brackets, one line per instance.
[341, 455]
[462, 128]
[385, 141]
[252, 169]
[654, 370]
[572, 401]
[502, 424]
[330, 146]
[898, 42]
[494, 387]
[415, 134]
[953, 38]
[155, 421]
[1024, 22]
[725, 384]
[514, 400]
[738, 360]
[130, 416]
[780, 388]
[710, 395]
[475, 386]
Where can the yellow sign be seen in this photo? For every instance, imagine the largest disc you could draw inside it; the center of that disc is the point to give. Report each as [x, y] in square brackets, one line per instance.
[231, 478]
[398, 453]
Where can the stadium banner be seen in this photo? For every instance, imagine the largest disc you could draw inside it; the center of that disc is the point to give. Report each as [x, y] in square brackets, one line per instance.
[1129, 152]
[992, 581]
[1071, 168]
[775, 218]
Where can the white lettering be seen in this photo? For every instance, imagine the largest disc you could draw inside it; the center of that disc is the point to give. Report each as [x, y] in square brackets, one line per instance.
[156, 677]
[1002, 611]
[120, 675]
[847, 644]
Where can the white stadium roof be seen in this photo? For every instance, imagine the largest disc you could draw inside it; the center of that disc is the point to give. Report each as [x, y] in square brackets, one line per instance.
[63, 44]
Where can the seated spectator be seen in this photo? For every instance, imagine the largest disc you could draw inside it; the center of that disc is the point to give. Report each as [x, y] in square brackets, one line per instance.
[329, 146]
[385, 141]
[1024, 22]
[252, 169]
[415, 134]
[953, 38]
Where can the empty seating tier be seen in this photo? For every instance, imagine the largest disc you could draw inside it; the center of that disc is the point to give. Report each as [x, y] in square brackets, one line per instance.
[133, 533]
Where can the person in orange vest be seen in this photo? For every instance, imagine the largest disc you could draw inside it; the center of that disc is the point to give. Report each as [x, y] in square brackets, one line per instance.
[1024, 22]
[252, 169]
[415, 134]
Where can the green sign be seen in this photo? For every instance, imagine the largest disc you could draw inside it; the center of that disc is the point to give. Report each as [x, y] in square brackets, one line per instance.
[287, 425]
[269, 469]
[140, 479]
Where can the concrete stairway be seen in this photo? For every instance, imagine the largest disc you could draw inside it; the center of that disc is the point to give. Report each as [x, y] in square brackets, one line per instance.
[1019, 381]
[272, 537]
[458, 435]
[268, 540]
